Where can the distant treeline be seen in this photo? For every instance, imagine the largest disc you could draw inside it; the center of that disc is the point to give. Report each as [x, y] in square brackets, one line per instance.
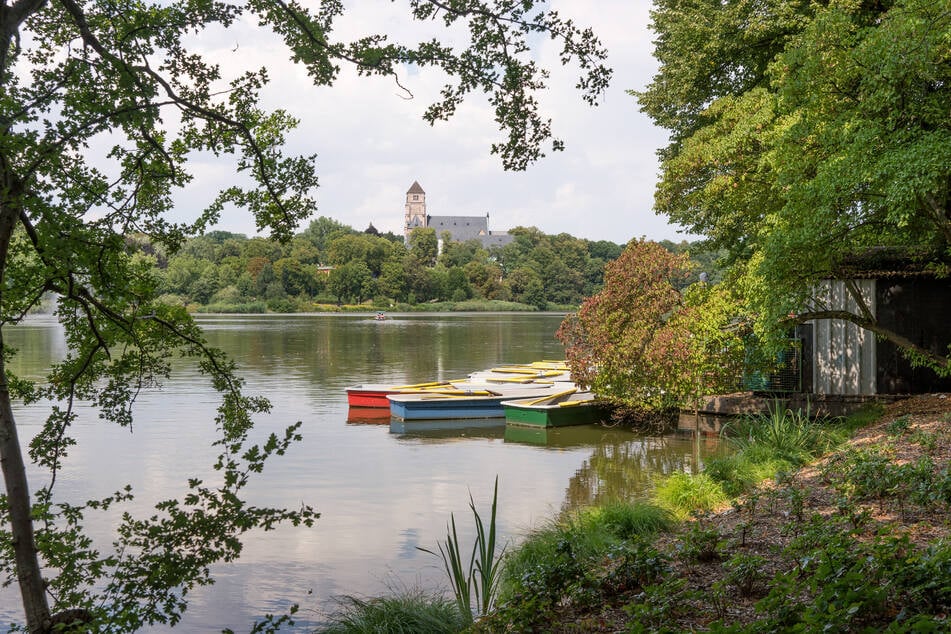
[330, 264]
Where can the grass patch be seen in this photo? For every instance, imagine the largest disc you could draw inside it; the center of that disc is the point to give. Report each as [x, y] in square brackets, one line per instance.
[491, 305]
[780, 441]
[627, 520]
[860, 418]
[782, 434]
[685, 494]
[409, 612]
[740, 473]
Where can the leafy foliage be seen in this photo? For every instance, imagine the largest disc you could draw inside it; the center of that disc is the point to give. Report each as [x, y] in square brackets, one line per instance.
[804, 135]
[331, 263]
[643, 342]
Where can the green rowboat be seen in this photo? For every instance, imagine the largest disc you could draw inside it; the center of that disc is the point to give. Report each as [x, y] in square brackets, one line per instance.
[563, 409]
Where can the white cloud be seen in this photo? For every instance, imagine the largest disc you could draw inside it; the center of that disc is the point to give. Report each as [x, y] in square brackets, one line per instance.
[371, 142]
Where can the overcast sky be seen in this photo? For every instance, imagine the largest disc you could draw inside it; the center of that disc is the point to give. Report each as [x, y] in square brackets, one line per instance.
[371, 142]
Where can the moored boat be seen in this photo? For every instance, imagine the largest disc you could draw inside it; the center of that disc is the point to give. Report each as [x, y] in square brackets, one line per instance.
[567, 407]
[374, 394]
[474, 403]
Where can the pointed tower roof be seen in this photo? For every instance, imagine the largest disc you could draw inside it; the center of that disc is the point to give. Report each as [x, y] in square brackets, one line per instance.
[415, 189]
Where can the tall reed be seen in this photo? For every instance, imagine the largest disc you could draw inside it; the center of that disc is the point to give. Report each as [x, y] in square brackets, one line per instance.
[480, 578]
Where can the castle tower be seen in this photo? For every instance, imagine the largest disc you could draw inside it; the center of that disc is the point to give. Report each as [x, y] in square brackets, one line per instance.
[415, 209]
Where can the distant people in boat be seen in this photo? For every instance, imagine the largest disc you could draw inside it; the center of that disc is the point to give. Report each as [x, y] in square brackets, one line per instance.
[381, 316]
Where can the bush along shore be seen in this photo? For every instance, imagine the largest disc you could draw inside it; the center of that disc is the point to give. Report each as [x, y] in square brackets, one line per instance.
[809, 525]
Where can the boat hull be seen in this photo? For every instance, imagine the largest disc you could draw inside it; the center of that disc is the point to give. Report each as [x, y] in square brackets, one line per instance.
[448, 408]
[369, 398]
[582, 411]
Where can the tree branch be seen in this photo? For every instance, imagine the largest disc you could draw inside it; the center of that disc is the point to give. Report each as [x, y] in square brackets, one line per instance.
[903, 342]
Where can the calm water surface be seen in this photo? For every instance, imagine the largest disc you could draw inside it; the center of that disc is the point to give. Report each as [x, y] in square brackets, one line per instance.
[383, 488]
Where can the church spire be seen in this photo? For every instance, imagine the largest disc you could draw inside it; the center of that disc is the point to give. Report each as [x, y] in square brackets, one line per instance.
[415, 209]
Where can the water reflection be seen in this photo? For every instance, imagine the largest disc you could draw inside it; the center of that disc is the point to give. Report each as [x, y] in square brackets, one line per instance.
[435, 429]
[368, 416]
[620, 469]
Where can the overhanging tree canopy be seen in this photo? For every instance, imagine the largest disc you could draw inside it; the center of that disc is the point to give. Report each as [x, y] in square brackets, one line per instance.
[646, 343]
[803, 134]
[79, 75]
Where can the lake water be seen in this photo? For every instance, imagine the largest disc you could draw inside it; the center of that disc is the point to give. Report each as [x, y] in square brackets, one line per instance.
[382, 489]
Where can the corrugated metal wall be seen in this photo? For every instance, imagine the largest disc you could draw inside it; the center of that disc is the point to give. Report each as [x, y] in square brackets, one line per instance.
[844, 354]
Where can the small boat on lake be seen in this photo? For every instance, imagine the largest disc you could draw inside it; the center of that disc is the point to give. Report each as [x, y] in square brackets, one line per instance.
[562, 409]
[478, 402]
[374, 394]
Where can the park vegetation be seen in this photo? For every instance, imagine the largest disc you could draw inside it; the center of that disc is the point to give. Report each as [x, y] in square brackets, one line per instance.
[805, 525]
[808, 141]
[330, 265]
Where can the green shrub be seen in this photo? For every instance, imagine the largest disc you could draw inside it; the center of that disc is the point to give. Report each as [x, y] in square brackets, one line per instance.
[658, 606]
[635, 566]
[282, 305]
[552, 559]
[864, 474]
[898, 426]
[489, 305]
[843, 584]
[243, 308]
[928, 441]
[745, 574]
[700, 544]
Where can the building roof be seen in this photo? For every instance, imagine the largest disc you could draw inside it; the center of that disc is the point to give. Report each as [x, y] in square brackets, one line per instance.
[415, 189]
[464, 228]
[497, 239]
[892, 262]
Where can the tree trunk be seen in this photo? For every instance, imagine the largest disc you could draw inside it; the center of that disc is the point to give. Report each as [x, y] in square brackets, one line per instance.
[32, 587]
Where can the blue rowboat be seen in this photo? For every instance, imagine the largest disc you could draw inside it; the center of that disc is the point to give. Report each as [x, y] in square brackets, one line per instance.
[427, 406]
